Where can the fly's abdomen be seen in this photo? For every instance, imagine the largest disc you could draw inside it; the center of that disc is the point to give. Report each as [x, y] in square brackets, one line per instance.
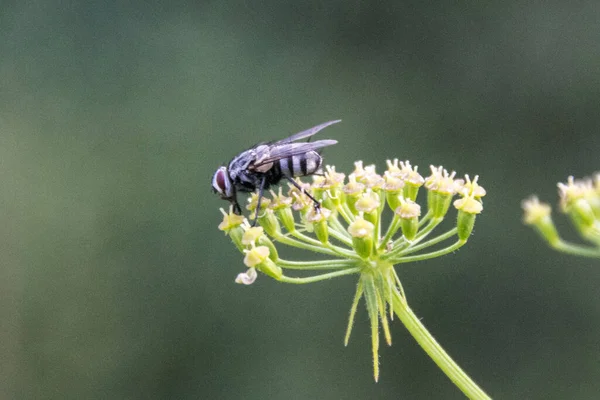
[300, 164]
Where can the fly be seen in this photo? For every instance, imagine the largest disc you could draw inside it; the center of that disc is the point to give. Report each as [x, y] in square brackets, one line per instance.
[267, 163]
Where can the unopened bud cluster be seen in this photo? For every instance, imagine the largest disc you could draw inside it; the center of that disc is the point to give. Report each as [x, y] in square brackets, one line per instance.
[580, 201]
[347, 228]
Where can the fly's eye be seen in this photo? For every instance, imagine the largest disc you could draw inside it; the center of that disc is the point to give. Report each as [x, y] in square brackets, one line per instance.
[221, 183]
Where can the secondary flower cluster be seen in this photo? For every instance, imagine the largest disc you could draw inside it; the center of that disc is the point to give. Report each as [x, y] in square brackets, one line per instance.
[580, 200]
[347, 228]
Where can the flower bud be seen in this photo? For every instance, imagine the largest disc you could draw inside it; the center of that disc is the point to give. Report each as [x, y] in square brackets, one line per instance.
[393, 187]
[287, 218]
[318, 218]
[465, 222]
[269, 222]
[468, 208]
[409, 213]
[268, 267]
[362, 236]
[369, 205]
[230, 220]
[353, 190]
[258, 257]
[438, 203]
[265, 241]
[581, 214]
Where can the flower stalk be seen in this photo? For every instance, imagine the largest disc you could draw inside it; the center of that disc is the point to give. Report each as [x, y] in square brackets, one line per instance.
[347, 229]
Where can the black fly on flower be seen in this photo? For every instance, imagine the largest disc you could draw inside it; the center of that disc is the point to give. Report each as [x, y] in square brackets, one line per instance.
[267, 163]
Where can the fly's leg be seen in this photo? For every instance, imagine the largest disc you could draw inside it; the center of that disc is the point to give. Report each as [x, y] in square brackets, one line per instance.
[317, 203]
[260, 196]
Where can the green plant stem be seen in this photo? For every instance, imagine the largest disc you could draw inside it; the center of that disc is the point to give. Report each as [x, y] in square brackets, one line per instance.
[335, 223]
[435, 351]
[317, 278]
[313, 242]
[316, 265]
[427, 256]
[574, 249]
[413, 246]
[392, 229]
[429, 243]
[296, 243]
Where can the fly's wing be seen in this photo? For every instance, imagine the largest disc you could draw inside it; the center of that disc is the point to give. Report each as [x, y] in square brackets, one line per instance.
[305, 134]
[279, 151]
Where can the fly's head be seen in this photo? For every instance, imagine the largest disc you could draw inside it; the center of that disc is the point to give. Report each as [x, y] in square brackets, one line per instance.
[222, 184]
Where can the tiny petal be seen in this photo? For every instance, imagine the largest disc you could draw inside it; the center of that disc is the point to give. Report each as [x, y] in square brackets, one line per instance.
[472, 187]
[408, 209]
[230, 220]
[247, 278]
[256, 256]
[469, 205]
[251, 235]
[411, 174]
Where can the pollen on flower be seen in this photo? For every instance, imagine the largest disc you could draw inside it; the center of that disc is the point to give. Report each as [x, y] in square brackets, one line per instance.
[251, 235]
[469, 205]
[392, 168]
[472, 188]
[408, 209]
[279, 201]
[373, 181]
[230, 220]
[255, 256]
[353, 188]
[253, 201]
[359, 170]
[315, 215]
[410, 174]
[332, 178]
[393, 183]
[441, 181]
[368, 202]
[361, 228]
[534, 210]
[574, 190]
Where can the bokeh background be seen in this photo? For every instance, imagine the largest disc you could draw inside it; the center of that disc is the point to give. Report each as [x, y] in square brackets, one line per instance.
[115, 282]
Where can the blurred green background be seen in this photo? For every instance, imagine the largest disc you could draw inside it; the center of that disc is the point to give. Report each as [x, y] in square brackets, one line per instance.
[115, 282]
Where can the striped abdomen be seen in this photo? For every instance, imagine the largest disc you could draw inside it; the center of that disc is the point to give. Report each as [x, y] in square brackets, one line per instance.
[301, 164]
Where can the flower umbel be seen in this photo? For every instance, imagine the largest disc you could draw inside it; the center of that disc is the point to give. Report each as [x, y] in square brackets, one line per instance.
[580, 200]
[347, 230]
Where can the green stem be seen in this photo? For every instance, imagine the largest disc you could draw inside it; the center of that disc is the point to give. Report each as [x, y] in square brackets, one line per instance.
[337, 250]
[429, 243]
[357, 296]
[315, 265]
[435, 351]
[392, 229]
[400, 244]
[425, 218]
[427, 256]
[317, 278]
[340, 235]
[574, 249]
[335, 223]
[296, 243]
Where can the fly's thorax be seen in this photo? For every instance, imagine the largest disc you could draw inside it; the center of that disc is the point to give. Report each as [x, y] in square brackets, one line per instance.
[301, 164]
